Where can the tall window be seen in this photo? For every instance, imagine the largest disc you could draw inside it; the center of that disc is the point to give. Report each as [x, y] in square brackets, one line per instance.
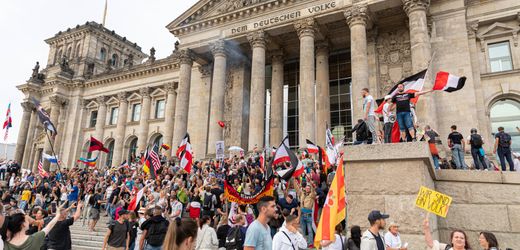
[114, 113]
[93, 119]
[115, 60]
[159, 109]
[339, 91]
[77, 53]
[132, 150]
[500, 57]
[291, 80]
[110, 154]
[103, 54]
[69, 52]
[506, 113]
[136, 112]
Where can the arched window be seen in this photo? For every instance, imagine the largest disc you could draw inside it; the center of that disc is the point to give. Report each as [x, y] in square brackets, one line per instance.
[158, 140]
[110, 154]
[132, 151]
[506, 113]
[69, 52]
[58, 56]
[115, 60]
[103, 54]
[77, 52]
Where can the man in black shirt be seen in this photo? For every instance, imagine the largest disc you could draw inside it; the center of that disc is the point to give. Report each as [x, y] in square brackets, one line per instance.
[59, 236]
[401, 102]
[154, 230]
[503, 148]
[476, 142]
[457, 146]
[372, 239]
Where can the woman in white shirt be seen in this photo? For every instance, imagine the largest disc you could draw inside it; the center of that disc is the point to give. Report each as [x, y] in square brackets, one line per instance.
[339, 241]
[393, 238]
[289, 238]
[206, 237]
[459, 240]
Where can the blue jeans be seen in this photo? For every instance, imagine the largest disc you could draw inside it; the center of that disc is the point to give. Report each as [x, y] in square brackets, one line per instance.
[503, 155]
[306, 224]
[404, 119]
[149, 247]
[458, 156]
[435, 161]
[478, 159]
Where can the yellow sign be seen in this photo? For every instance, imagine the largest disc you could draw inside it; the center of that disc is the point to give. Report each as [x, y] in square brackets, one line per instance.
[433, 201]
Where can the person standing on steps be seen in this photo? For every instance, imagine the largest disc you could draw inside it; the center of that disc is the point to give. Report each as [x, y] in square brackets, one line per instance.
[59, 237]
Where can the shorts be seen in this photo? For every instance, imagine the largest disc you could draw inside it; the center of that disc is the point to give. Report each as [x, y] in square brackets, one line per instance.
[404, 119]
[94, 214]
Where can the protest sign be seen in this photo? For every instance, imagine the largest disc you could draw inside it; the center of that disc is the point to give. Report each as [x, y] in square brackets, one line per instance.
[433, 201]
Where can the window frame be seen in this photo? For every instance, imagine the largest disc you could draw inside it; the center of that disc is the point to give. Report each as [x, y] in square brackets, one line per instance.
[499, 59]
[114, 111]
[93, 119]
[156, 115]
[134, 105]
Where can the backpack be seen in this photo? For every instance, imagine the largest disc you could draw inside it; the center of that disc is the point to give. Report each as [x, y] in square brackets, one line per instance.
[476, 139]
[208, 200]
[157, 233]
[234, 239]
[504, 140]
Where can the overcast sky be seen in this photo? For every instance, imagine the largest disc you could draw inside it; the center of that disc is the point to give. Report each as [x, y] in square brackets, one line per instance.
[25, 24]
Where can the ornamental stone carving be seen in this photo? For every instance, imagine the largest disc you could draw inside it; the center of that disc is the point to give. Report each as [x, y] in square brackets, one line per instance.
[472, 29]
[27, 106]
[258, 38]
[58, 101]
[205, 70]
[144, 92]
[394, 57]
[122, 96]
[358, 14]
[322, 47]
[185, 56]
[306, 27]
[238, 4]
[101, 100]
[171, 86]
[277, 56]
[413, 5]
[218, 48]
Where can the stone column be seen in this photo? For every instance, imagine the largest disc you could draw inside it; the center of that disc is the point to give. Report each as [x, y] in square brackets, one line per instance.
[120, 128]
[60, 126]
[421, 50]
[169, 115]
[29, 141]
[276, 121]
[142, 140]
[56, 103]
[258, 41]
[322, 92]
[183, 96]
[357, 19]
[218, 89]
[101, 118]
[22, 134]
[307, 101]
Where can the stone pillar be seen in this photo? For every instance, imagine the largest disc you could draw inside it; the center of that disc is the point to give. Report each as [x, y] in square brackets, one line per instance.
[183, 97]
[120, 128]
[60, 126]
[101, 118]
[56, 103]
[29, 141]
[421, 50]
[276, 121]
[322, 92]
[142, 140]
[258, 41]
[169, 115]
[357, 19]
[22, 134]
[218, 89]
[307, 101]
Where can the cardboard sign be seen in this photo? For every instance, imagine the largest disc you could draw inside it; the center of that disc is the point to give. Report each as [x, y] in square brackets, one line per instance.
[219, 148]
[433, 201]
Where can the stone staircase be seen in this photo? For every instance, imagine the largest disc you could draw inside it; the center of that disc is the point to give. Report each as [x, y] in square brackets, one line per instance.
[82, 239]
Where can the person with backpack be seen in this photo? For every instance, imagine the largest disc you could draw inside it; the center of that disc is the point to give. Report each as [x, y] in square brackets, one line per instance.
[207, 237]
[362, 132]
[457, 145]
[154, 231]
[118, 234]
[503, 149]
[237, 234]
[209, 202]
[289, 237]
[477, 152]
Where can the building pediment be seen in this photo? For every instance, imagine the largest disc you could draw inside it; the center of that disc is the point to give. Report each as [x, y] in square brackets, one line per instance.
[497, 30]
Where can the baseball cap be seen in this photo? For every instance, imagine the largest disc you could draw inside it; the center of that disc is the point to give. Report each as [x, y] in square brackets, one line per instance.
[376, 215]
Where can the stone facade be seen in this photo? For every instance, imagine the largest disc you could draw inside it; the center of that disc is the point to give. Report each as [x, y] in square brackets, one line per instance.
[234, 54]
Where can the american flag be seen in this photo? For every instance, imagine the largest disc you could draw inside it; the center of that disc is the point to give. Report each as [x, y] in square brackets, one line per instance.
[42, 171]
[154, 158]
[8, 122]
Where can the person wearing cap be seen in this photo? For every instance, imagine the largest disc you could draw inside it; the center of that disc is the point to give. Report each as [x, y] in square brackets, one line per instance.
[393, 238]
[118, 233]
[371, 239]
[388, 119]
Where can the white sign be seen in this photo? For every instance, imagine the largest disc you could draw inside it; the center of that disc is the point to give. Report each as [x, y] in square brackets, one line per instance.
[282, 18]
[219, 148]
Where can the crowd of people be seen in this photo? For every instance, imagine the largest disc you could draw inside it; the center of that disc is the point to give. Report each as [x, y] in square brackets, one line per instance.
[400, 108]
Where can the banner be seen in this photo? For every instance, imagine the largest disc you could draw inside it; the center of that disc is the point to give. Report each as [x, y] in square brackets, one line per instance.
[232, 195]
[433, 201]
[219, 148]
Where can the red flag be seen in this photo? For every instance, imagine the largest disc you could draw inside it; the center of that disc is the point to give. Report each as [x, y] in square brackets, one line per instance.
[96, 145]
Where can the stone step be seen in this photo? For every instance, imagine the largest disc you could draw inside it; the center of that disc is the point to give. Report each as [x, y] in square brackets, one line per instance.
[86, 236]
[76, 247]
[86, 232]
[88, 243]
[85, 227]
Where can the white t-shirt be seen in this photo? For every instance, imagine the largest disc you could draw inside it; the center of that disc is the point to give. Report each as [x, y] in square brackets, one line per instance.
[386, 112]
[369, 99]
[336, 245]
[393, 241]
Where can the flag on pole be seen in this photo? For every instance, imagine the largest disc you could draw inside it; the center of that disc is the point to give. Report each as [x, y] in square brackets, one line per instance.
[412, 84]
[312, 148]
[330, 147]
[44, 117]
[50, 158]
[8, 121]
[137, 197]
[152, 163]
[42, 171]
[96, 145]
[285, 154]
[185, 154]
[335, 208]
[448, 82]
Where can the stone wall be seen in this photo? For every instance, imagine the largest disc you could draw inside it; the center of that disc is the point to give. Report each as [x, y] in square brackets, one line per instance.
[387, 178]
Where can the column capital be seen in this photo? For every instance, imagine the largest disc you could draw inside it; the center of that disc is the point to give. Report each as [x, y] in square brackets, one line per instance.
[357, 14]
[83, 103]
[27, 106]
[121, 96]
[185, 56]
[472, 29]
[101, 100]
[305, 27]
[322, 47]
[258, 38]
[412, 5]
[144, 92]
[171, 87]
[218, 48]
[277, 56]
[57, 100]
[205, 70]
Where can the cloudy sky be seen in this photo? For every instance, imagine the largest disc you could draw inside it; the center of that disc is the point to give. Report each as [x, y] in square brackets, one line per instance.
[24, 24]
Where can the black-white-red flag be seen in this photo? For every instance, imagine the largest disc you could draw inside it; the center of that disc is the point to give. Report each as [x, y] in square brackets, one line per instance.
[448, 82]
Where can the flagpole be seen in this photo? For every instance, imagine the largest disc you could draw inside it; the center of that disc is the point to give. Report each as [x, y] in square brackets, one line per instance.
[52, 149]
[105, 13]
